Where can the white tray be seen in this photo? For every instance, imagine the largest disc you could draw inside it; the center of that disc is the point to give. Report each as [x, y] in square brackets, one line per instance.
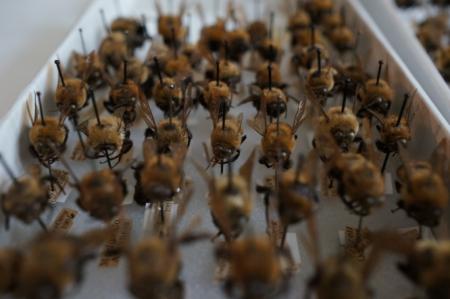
[397, 27]
[429, 127]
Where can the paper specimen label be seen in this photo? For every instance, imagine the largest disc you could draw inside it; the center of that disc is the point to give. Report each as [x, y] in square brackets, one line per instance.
[64, 221]
[62, 178]
[119, 237]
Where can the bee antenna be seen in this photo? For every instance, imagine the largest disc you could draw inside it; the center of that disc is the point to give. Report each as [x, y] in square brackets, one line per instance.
[319, 61]
[402, 110]
[217, 72]
[344, 95]
[38, 94]
[94, 104]
[272, 17]
[61, 77]
[174, 42]
[83, 44]
[158, 70]
[269, 70]
[380, 65]
[125, 71]
[105, 24]
[8, 170]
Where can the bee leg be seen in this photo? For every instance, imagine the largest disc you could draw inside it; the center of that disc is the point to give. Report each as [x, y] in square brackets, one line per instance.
[109, 106]
[283, 237]
[386, 159]
[42, 224]
[398, 186]
[219, 233]
[126, 147]
[161, 212]
[243, 138]
[150, 133]
[263, 160]
[287, 164]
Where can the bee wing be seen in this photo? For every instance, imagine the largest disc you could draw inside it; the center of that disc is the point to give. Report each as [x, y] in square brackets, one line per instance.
[311, 242]
[240, 118]
[246, 169]
[147, 112]
[409, 109]
[182, 9]
[311, 96]
[257, 124]
[182, 207]
[440, 160]
[158, 7]
[187, 104]
[299, 116]
[32, 119]
[311, 166]
[201, 12]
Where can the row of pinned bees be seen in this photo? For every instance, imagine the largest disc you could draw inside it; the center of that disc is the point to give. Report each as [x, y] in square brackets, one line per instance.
[432, 33]
[324, 61]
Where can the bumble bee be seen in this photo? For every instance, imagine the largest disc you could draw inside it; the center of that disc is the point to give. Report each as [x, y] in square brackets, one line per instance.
[27, 198]
[114, 49]
[90, 68]
[375, 94]
[257, 31]
[423, 193]
[216, 94]
[238, 42]
[431, 32]
[230, 72]
[255, 268]
[265, 79]
[168, 132]
[278, 138]
[211, 37]
[300, 20]
[230, 198]
[342, 38]
[160, 177]
[137, 72]
[321, 81]
[46, 135]
[343, 126]
[426, 265]
[54, 261]
[318, 9]
[71, 94]
[123, 97]
[134, 30]
[102, 194]
[170, 27]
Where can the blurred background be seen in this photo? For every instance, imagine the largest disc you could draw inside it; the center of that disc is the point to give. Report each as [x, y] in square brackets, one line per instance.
[31, 30]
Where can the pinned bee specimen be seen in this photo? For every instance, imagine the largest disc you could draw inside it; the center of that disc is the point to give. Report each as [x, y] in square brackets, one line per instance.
[296, 193]
[107, 137]
[160, 177]
[170, 27]
[278, 138]
[134, 30]
[426, 265]
[300, 20]
[230, 198]
[123, 97]
[168, 94]
[350, 76]
[255, 268]
[89, 67]
[27, 198]
[216, 94]
[360, 183]
[342, 276]
[45, 135]
[424, 195]
[170, 131]
[274, 99]
[339, 122]
[154, 264]
[393, 129]
[101, 193]
[71, 94]
[375, 94]
[268, 49]
[211, 37]
[238, 43]
[257, 31]
[10, 263]
[226, 138]
[230, 72]
[306, 48]
[113, 49]
[319, 81]
[342, 37]
[137, 72]
[54, 261]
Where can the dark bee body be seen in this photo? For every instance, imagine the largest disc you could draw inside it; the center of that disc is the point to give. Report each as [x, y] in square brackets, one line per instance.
[168, 96]
[114, 49]
[10, 264]
[122, 100]
[90, 68]
[102, 194]
[134, 30]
